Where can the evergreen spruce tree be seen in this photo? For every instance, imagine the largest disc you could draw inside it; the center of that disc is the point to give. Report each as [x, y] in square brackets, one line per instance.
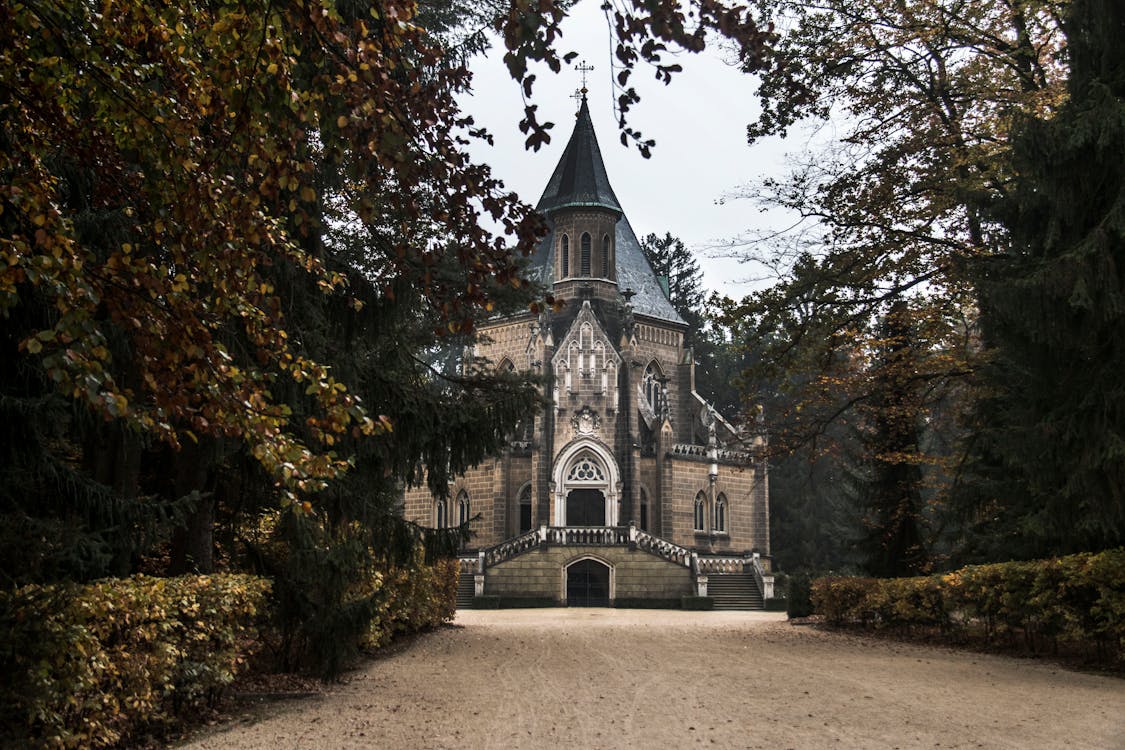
[1048, 468]
[887, 481]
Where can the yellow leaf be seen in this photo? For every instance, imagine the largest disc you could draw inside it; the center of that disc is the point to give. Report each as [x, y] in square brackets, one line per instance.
[341, 121]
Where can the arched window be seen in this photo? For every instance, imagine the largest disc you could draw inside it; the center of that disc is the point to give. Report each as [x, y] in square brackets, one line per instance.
[585, 257]
[463, 514]
[651, 384]
[700, 503]
[525, 509]
[506, 365]
[644, 510]
[721, 514]
[441, 514]
[565, 252]
[605, 256]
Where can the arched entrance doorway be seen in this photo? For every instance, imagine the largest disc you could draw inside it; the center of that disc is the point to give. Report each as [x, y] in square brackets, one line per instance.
[587, 584]
[585, 507]
[587, 486]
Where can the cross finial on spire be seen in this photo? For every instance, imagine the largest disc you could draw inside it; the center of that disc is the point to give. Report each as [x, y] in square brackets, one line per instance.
[583, 68]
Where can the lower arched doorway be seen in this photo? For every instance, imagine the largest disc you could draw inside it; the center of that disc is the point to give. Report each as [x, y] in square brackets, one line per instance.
[587, 584]
[585, 507]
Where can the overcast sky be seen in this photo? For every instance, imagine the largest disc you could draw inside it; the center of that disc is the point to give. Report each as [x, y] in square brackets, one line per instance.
[698, 122]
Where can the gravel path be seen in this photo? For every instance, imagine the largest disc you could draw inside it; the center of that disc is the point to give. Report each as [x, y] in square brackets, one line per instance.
[605, 678]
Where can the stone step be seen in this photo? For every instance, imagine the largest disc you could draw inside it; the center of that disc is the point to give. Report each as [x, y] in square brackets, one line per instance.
[732, 591]
[465, 591]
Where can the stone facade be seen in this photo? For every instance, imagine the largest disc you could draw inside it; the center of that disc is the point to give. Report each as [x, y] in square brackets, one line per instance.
[627, 440]
[542, 574]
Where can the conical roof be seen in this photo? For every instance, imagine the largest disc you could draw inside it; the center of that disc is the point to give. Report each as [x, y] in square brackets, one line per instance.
[580, 179]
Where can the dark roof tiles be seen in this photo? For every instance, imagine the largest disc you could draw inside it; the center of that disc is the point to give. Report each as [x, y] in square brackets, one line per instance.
[580, 180]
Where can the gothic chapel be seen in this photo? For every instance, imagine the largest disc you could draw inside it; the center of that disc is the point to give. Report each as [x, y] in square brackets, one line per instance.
[623, 492]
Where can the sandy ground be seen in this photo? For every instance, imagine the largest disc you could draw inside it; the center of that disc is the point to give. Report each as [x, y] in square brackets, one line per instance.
[604, 678]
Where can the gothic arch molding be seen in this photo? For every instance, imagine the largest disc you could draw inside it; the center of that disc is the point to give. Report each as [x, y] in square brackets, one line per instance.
[609, 483]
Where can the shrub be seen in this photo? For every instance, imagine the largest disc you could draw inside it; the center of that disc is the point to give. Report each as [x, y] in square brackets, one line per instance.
[841, 599]
[799, 599]
[527, 602]
[697, 602]
[93, 665]
[633, 602]
[335, 594]
[1079, 598]
[488, 601]
[413, 600]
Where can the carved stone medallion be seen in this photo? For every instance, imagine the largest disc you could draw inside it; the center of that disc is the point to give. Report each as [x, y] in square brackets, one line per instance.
[586, 421]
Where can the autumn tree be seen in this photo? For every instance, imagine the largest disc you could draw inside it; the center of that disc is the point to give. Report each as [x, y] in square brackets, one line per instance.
[1047, 466]
[924, 94]
[233, 237]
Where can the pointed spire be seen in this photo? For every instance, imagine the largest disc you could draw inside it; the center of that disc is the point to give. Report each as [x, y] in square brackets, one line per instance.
[580, 179]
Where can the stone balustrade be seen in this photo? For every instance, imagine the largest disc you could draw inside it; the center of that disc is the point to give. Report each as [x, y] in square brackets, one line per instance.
[591, 536]
[663, 548]
[602, 536]
[708, 565]
[510, 548]
[765, 580]
[699, 452]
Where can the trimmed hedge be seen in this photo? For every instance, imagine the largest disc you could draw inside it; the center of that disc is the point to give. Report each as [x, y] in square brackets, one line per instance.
[1078, 599]
[414, 600]
[643, 603]
[101, 664]
[96, 664]
[697, 603]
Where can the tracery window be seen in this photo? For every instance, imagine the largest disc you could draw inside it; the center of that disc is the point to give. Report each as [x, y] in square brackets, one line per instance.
[721, 513]
[586, 469]
[441, 514]
[565, 252]
[584, 268]
[700, 504]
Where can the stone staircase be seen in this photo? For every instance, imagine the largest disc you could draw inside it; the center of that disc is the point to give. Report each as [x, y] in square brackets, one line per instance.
[734, 591]
[465, 591]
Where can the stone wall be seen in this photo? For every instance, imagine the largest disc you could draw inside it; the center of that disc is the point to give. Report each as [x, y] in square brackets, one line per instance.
[637, 574]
